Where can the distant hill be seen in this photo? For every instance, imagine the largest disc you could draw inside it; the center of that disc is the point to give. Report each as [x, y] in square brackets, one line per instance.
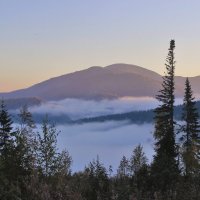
[16, 103]
[137, 117]
[113, 81]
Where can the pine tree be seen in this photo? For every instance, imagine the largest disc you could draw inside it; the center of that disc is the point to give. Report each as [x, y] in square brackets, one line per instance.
[26, 120]
[9, 188]
[97, 181]
[140, 172]
[138, 160]
[124, 168]
[47, 149]
[5, 127]
[6, 137]
[165, 167]
[190, 138]
[122, 182]
[25, 142]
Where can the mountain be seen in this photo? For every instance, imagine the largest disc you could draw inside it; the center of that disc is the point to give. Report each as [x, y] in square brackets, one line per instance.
[113, 81]
[16, 103]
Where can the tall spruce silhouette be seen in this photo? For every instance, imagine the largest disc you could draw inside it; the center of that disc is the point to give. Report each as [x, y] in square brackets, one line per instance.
[164, 166]
[190, 138]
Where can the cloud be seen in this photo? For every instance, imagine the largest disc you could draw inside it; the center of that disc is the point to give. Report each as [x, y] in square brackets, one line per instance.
[110, 140]
[76, 108]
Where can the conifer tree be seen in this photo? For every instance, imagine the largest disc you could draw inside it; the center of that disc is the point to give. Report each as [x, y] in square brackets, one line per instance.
[25, 142]
[165, 167]
[6, 137]
[190, 138]
[47, 149]
[124, 168]
[140, 172]
[97, 181]
[122, 182]
[138, 159]
[9, 188]
[5, 127]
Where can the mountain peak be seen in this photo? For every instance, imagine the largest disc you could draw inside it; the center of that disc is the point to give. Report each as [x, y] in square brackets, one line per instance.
[133, 69]
[113, 81]
[94, 68]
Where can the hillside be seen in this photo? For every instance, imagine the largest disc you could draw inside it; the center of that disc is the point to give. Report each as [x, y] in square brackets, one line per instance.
[16, 103]
[113, 81]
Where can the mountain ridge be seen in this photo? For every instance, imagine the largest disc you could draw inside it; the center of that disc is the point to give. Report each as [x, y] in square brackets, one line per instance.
[110, 82]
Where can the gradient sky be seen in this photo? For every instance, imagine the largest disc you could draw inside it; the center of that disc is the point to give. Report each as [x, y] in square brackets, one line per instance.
[40, 39]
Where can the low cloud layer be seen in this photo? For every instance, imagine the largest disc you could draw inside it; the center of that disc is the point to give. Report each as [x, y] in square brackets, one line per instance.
[110, 140]
[76, 108]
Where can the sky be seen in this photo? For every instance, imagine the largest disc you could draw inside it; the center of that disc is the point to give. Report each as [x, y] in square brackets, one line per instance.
[40, 39]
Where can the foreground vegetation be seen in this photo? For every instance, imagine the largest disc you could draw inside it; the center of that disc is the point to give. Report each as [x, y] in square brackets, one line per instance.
[31, 168]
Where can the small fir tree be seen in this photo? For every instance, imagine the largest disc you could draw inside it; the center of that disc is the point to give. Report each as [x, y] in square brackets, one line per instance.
[138, 160]
[190, 136]
[5, 127]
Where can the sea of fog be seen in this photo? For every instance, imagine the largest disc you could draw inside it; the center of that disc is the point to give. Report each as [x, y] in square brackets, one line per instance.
[76, 108]
[109, 140]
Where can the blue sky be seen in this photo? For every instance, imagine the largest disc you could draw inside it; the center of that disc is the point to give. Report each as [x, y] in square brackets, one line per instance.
[40, 39]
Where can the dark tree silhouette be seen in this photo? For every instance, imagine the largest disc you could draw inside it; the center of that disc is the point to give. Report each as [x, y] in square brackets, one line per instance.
[190, 132]
[165, 167]
[5, 126]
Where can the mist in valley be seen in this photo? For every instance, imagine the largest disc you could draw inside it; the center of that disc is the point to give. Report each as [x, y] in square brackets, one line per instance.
[77, 108]
[109, 140]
